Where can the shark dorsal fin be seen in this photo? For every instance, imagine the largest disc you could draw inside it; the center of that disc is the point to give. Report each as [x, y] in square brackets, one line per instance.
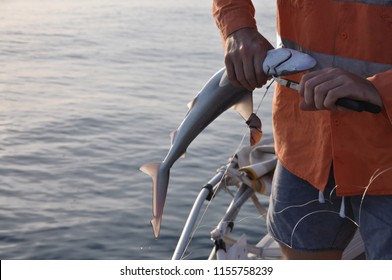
[192, 103]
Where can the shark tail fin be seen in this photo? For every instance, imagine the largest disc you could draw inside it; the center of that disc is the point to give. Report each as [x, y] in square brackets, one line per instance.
[156, 226]
[152, 169]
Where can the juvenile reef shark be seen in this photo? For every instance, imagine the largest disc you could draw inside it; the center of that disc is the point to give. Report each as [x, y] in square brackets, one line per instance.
[215, 97]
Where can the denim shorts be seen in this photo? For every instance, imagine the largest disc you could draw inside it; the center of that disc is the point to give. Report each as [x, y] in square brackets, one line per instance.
[298, 219]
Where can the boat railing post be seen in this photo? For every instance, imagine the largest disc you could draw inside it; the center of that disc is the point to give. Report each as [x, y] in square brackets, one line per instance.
[204, 194]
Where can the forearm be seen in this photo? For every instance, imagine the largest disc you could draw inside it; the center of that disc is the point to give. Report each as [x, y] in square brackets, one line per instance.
[232, 15]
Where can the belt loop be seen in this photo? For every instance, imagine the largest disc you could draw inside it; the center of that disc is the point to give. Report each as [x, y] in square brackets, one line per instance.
[342, 212]
[321, 197]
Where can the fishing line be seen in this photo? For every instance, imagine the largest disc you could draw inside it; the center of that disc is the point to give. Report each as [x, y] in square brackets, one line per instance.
[312, 213]
[375, 175]
[198, 225]
[299, 206]
[309, 214]
[265, 93]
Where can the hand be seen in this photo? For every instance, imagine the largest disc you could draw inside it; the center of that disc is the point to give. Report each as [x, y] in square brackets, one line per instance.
[321, 89]
[245, 51]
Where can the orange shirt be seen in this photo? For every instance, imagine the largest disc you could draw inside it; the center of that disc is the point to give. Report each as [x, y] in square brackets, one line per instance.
[355, 36]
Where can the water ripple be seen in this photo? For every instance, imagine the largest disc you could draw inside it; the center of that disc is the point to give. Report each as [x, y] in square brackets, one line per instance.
[89, 91]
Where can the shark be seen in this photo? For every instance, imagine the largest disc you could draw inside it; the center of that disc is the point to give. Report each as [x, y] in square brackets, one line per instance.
[217, 95]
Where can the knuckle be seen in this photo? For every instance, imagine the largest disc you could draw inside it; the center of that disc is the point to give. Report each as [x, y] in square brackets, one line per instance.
[309, 85]
[318, 89]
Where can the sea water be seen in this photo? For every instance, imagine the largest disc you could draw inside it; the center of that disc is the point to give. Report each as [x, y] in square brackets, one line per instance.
[89, 91]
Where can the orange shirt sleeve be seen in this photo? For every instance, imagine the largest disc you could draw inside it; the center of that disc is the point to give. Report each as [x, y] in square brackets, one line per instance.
[232, 15]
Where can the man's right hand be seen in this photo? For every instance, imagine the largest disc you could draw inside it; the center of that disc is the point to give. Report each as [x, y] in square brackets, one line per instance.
[245, 51]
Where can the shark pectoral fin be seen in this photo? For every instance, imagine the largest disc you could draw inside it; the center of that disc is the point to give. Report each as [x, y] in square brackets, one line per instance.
[256, 133]
[156, 226]
[245, 106]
